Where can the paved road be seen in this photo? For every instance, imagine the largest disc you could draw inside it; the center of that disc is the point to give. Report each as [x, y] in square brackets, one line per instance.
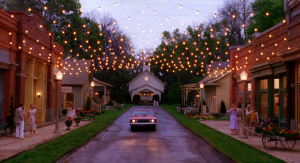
[170, 143]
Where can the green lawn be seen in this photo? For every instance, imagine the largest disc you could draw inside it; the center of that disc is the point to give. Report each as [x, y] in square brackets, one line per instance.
[238, 151]
[54, 149]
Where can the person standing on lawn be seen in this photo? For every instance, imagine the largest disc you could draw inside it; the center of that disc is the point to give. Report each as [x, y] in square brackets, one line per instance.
[239, 117]
[154, 103]
[233, 120]
[32, 114]
[19, 119]
[253, 119]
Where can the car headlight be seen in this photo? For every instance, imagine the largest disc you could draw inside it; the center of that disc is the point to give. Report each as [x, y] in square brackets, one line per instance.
[133, 121]
[152, 120]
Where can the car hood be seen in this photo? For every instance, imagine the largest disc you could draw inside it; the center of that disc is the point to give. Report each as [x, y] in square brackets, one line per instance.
[143, 117]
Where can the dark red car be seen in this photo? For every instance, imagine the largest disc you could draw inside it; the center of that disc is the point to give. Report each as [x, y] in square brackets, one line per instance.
[143, 117]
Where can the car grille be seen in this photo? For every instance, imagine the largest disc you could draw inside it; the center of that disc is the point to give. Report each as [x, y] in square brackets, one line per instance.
[143, 120]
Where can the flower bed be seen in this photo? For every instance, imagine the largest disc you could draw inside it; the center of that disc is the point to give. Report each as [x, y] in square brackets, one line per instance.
[69, 121]
[281, 132]
[196, 115]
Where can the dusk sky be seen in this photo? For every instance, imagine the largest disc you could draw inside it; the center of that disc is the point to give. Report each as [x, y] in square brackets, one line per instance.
[145, 26]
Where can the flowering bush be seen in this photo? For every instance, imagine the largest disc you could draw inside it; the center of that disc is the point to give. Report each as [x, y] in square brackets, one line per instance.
[77, 118]
[283, 132]
[192, 115]
[208, 117]
[69, 121]
[197, 115]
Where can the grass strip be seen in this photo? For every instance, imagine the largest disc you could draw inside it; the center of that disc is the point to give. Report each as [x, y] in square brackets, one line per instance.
[56, 148]
[237, 150]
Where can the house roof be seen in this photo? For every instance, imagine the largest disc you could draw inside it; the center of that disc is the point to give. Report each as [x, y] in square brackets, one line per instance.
[147, 86]
[101, 82]
[142, 74]
[76, 72]
[213, 81]
[219, 65]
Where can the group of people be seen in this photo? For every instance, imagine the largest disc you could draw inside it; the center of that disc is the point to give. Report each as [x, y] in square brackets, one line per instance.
[155, 103]
[251, 119]
[19, 120]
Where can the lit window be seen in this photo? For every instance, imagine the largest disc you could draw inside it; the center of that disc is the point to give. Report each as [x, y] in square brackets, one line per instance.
[276, 83]
[249, 86]
[264, 84]
[284, 82]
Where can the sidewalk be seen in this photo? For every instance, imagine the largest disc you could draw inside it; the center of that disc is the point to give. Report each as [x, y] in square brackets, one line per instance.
[291, 156]
[11, 146]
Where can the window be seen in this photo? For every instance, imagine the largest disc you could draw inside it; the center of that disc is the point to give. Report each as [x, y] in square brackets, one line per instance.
[276, 83]
[249, 86]
[69, 97]
[276, 104]
[263, 104]
[284, 82]
[264, 84]
[284, 105]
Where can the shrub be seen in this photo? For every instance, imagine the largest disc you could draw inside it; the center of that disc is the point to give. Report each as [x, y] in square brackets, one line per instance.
[223, 107]
[217, 115]
[88, 104]
[155, 97]
[64, 111]
[136, 99]
[9, 119]
[169, 101]
[110, 103]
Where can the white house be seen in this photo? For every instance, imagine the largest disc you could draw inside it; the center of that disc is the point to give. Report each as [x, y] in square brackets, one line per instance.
[146, 84]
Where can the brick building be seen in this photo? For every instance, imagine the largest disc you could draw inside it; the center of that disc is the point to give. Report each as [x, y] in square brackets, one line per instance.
[272, 63]
[29, 60]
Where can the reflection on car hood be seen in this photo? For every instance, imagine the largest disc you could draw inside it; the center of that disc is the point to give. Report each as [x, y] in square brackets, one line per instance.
[143, 117]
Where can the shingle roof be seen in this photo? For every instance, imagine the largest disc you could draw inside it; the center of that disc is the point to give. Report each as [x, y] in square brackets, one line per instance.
[76, 72]
[218, 64]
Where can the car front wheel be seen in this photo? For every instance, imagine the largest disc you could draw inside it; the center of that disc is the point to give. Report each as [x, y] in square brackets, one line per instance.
[132, 128]
[154, 128]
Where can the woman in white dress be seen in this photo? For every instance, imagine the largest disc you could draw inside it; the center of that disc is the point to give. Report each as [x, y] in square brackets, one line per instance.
[71, 111]
[233, 120]
[32, 113]
[239, 117]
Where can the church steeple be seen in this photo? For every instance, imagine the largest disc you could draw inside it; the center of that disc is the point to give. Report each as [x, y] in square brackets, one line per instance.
[146, 64]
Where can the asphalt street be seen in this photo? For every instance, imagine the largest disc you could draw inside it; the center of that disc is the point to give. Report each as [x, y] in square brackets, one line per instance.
[170, 143]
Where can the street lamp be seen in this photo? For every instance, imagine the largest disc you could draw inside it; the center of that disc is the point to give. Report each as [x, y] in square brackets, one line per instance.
[244, 77]
[59, 77]
[201, 103]
[92, 86]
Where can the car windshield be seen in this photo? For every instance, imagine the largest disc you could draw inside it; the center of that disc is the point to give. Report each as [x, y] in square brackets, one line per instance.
[143, 112]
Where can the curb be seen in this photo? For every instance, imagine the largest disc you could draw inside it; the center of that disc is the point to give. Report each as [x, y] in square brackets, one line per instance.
[40, 143]
[207, 142]
[72, 151]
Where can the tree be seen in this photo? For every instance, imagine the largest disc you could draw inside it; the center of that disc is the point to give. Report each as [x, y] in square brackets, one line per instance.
[267, 13]
[88, 104]
[223, 107]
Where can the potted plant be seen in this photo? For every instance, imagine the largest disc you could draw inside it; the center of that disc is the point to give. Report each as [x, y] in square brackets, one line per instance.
[77, 120]
[10, 127]
[69, 122]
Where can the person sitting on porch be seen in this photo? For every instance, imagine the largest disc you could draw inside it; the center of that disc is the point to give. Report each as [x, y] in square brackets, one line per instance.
[266, 122]
[71, 111]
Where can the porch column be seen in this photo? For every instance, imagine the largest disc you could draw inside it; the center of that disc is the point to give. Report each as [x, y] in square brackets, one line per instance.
[182, 97]
[290, 90]
[51, 90]
[105, 94]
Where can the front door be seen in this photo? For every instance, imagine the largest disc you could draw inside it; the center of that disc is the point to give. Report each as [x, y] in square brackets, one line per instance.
[1, 99]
